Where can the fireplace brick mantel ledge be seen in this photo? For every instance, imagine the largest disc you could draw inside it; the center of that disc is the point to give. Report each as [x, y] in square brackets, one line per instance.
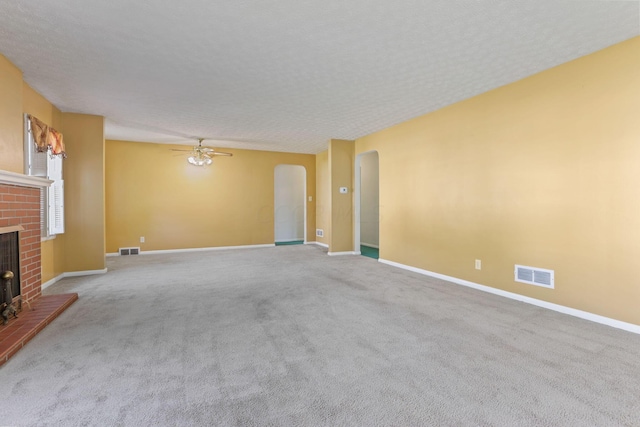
[21, 180]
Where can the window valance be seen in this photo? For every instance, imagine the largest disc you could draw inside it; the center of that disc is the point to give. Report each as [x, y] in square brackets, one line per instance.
[46, 138]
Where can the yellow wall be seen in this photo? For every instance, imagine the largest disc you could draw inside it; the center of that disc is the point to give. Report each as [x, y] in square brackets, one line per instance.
[156, 194]
[323, 194]
[341, 165]
[11, 125]
[17, 98]
[543, 172]
[52, 250]
[84, 237]
[37, 105]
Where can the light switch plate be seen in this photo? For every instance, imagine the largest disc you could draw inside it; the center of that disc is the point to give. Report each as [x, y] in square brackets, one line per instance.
[344, 190]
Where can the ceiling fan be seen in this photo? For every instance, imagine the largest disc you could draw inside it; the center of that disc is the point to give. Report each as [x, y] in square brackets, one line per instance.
[202, 156]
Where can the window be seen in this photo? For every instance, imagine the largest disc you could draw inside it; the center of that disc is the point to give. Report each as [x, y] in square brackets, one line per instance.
[46, 165]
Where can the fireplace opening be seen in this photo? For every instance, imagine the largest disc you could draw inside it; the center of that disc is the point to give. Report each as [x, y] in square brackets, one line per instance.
[10, 261]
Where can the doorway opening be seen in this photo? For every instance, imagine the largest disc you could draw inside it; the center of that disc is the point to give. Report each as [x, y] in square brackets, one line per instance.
[367, 205]
[290, 207]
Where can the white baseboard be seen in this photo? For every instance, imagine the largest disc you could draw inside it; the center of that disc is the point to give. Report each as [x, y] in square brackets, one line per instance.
[214, 248]
[630, 327]
[341, 253]
[324, 245]
[289, 240]
[370, 245]
[71, 274]
[84, 273]
[48, 283]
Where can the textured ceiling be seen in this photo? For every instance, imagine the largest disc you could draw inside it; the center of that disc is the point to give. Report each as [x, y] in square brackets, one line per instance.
[288, 75]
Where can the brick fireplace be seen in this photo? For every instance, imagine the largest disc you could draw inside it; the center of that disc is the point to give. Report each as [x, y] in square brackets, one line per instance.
[20, 206]
[20, 215]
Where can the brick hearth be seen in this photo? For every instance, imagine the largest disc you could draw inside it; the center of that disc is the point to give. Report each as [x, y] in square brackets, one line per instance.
[31, 321]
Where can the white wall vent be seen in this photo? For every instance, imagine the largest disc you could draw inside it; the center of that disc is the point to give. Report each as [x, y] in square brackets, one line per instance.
[319, 232]
[534, 276]
[129, 251]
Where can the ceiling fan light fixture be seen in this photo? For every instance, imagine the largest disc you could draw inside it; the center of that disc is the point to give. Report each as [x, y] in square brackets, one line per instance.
[198, 159]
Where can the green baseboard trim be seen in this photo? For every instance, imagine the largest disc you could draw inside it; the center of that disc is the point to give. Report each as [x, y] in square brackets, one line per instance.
[294, 242]
[370, 252]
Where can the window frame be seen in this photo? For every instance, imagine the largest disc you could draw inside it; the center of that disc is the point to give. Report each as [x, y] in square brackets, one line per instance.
[51, 167]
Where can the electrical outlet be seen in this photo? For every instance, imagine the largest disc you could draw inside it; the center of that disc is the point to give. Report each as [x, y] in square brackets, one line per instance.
[142, 239]
[478, 264]
[319, 232]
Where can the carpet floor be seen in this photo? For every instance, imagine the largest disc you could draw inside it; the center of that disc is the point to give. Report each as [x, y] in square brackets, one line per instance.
[288, 336]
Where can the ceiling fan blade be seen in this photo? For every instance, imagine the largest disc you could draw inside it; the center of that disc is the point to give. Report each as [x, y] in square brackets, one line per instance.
[212, 152]
[177, 149]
